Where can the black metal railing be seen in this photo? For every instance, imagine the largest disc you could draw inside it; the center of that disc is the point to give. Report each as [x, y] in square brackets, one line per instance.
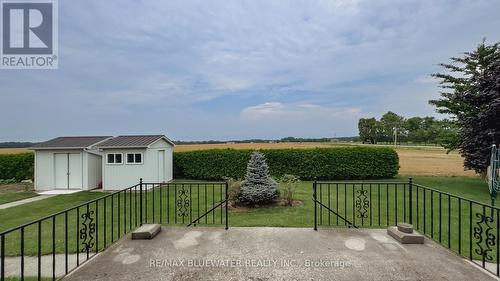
[186, 203]
[51, 247]
[467, 227]
[361, 204]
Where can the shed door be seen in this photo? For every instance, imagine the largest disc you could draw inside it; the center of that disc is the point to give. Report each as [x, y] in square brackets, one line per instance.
[68, 171]
[61, 170]
[161, 166]
[75, 171]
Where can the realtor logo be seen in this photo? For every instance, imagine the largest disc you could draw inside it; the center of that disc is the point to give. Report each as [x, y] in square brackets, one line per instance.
[29, 34]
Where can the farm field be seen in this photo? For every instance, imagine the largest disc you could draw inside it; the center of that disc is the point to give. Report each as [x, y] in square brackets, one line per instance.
[414, 160]
[13, 150]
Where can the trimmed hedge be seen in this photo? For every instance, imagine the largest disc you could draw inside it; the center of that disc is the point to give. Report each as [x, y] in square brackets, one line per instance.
[340, 163]
[17, 166]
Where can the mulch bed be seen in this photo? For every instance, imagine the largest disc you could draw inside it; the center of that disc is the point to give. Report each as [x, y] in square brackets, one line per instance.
[278, 203]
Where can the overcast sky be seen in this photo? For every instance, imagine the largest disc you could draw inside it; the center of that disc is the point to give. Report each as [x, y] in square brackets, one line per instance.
[199, 70]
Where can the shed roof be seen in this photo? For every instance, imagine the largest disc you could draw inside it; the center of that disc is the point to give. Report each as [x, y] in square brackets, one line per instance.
[133, 141]
[70, 142]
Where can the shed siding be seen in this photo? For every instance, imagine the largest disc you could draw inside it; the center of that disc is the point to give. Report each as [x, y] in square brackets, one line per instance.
[44, 166]
[85, 171]
[169, 157]
[161, 143]
[121, 176]
[94, 176]
[153, 156]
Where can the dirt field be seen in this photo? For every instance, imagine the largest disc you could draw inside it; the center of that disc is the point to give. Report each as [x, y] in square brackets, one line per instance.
[414, 160]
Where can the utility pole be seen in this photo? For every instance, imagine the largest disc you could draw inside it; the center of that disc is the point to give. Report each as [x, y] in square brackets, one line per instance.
[395, 136]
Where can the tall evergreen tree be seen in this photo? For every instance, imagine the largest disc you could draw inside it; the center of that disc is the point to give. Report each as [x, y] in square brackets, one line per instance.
[258, 186]
[472, 95]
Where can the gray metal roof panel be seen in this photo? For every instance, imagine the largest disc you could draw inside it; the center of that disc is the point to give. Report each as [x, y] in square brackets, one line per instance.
[132, 141]
[70, 142]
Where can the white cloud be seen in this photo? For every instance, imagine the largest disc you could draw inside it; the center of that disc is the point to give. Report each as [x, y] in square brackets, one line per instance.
[276, 110]
[263, 110]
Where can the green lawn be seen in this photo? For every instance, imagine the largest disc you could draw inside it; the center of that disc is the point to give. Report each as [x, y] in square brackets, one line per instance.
[15, 196]
[201, 199]
[473, 188]
[25, 213]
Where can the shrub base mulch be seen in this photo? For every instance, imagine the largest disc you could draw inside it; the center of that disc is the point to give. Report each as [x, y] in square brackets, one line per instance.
[233, 206]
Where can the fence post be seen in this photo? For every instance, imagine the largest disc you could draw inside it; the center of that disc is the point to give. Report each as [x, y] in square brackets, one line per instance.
[315, 206]
[2, 258]
[410, 185]
[140, 199]
[227, 203]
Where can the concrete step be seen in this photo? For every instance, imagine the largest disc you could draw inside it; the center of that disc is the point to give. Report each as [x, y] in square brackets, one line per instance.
[405, 238]
[405, 227]
[146, 231]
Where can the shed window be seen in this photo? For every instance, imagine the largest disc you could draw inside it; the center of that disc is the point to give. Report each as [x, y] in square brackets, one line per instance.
[134, 158]
[115, 158]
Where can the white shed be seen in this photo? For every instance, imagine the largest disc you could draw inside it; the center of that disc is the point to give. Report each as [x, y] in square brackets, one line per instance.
[127, 159]
[68, 163]
[85, 163]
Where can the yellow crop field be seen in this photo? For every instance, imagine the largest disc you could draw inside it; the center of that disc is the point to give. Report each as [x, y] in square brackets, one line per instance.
[431, 163]
[13, 150]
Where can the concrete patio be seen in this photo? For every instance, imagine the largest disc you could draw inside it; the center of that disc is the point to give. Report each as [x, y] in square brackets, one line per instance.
[275, 254]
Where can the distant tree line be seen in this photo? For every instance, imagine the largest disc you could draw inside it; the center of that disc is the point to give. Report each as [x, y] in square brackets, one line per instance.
[12, 144]
[332, 139]
[420, 130]
[286, 139]
[223, 141]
